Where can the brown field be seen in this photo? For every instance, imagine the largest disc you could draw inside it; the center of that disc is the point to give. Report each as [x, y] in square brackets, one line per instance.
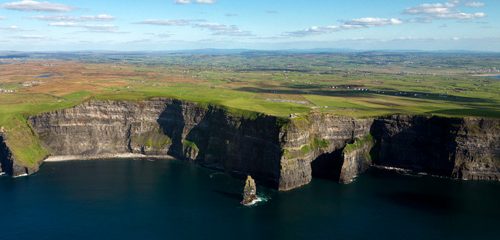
[60, 78]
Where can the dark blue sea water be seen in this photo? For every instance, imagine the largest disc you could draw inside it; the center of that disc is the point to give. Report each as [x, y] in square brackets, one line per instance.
[127, 199]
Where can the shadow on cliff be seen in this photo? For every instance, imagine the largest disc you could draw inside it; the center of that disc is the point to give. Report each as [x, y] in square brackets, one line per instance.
[220, 140]
[422, 145]
[205, 137]
[237, 145]
[328, 166]
[6, 163]
[172, 123]
[200, 135]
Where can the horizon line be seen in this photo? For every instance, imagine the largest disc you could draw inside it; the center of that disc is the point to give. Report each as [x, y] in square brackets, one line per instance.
[261, 50]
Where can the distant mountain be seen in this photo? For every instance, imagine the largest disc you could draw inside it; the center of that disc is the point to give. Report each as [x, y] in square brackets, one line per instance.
[117, 55]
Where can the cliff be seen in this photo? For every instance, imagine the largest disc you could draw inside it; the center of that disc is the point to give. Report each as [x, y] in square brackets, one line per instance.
[5, 157]
[209, 135]
[281, 153]
[462, 148]
[356, 158]
[320, 138]
[7, 163]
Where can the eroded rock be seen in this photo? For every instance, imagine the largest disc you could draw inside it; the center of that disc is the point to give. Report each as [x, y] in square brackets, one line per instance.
[249, 192]
[277, 152]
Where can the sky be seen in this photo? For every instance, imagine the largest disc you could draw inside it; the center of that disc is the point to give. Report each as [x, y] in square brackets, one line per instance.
[153, 25]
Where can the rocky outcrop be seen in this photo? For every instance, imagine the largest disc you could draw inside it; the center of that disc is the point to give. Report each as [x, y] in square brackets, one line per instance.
[249, 192]
[340, 148]
[463, 148]
[317, 137]
[477, 150]
[356, 158]
[7, 164]
[280, 153]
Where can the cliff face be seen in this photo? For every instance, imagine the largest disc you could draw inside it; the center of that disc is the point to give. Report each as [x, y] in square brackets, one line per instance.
[5, 157]
[209, 135]
[477, 151]
[356, 159]
[320, 138]
[466, 148]
[7, 163]
[281, 154]
[98, 127]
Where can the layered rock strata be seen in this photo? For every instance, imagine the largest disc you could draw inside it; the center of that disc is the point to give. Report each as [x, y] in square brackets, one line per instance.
[281, 153]
[208, 135]
[356, 159]
[462, 148]
[316, 137]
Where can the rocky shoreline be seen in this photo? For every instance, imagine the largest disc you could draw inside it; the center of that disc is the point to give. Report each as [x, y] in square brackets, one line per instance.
[105, 156]
[280, 153]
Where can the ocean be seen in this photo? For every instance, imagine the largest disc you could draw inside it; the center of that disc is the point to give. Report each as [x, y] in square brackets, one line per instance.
[171, 199]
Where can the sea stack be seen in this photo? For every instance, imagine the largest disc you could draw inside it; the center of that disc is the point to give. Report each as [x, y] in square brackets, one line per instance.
[250, 192]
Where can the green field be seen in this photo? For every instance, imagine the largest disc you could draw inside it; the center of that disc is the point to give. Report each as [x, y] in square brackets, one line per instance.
[280, 84]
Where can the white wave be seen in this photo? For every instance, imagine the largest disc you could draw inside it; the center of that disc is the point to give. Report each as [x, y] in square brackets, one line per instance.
[255, 202]
[104, 156]
[21, 175]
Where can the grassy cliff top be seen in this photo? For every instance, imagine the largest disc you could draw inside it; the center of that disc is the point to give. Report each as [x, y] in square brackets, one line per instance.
[282, 85]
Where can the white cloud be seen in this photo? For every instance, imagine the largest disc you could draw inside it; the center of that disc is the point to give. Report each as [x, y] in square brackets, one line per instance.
[223, 30]
[475, 4]
[214, 28]
[31, 37]
[12, 28]
[166, 22]
[2, 17]
[370, 21]
[447, 10]
[110, 28]
[347, 25]
[29, 5]
[195, 1]
[100, 17]
[101, 28]
[164, 35]
[205, 1]
[160, 35]
[64, 24]
[313, 31]
[431, 9]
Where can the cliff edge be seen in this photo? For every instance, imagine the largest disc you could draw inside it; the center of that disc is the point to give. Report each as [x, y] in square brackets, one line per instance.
[8, 165]
[281, 153]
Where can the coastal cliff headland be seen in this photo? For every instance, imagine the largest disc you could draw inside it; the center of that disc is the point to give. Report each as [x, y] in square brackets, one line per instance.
[283, 153]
